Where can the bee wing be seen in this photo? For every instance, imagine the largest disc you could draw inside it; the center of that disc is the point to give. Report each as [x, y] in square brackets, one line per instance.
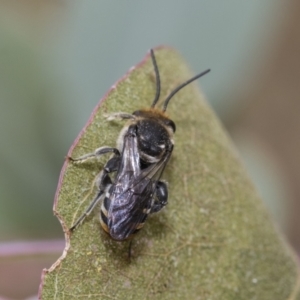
[154, 171]
[141, 195]
[134, 191]
[130, 159]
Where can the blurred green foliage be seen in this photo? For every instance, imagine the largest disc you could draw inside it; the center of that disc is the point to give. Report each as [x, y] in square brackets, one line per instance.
[29, 154]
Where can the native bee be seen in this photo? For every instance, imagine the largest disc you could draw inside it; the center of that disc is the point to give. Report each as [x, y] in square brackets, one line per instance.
[143, 150]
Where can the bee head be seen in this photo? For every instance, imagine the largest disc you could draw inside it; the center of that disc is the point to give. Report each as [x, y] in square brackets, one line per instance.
[156, 114]
[154, 131]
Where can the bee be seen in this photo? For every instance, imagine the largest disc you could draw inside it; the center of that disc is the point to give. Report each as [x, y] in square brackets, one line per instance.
[143, 150]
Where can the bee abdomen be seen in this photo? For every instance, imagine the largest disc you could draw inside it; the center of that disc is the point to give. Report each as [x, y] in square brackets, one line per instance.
[104, 213]
[124, 229]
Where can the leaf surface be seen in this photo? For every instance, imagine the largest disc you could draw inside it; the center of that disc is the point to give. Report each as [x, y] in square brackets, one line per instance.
[214, 240]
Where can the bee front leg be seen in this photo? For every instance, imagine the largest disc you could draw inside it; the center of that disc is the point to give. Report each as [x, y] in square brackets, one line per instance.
[103, 183]
[161, 197]
[119, 116]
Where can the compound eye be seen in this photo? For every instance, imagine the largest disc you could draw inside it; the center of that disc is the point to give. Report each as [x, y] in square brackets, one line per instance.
[171, 124]
[137, 113]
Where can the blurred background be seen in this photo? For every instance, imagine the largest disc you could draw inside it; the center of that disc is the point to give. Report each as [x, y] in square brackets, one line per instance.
[59, 57]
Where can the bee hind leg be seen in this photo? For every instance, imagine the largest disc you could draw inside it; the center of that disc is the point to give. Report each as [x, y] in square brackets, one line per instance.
[88, 211]
[161, 197]
[103, 183]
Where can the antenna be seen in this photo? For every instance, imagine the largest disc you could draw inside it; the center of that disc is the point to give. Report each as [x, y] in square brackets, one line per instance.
[180, 87]
[157, 79]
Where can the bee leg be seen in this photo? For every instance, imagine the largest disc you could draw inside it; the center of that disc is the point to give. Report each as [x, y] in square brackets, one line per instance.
[161, 197]
[88, 211]
[111, 166]
[103, 182]
[98, 152]
[120, 116]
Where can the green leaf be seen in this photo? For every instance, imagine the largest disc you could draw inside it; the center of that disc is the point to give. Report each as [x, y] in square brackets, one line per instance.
[214, 240]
